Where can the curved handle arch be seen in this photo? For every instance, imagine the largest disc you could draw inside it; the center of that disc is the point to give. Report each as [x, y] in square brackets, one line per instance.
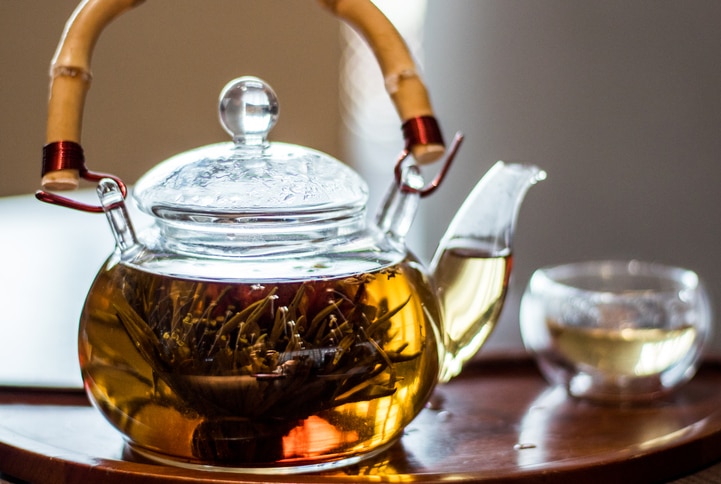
[71, 75]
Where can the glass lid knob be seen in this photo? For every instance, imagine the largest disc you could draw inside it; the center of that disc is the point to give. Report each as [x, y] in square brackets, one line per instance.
[248, 110]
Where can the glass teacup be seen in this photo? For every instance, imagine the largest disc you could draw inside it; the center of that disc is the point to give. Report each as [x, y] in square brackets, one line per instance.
[616, 330]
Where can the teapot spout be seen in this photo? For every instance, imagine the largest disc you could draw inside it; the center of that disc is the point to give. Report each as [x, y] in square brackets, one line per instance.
[472, 264]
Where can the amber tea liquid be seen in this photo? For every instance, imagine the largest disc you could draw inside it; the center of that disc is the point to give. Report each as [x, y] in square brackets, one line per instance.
[638, 352]
[263, 374]
[473, 286]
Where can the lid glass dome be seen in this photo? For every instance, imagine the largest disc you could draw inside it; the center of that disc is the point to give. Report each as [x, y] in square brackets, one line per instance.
[250, 183]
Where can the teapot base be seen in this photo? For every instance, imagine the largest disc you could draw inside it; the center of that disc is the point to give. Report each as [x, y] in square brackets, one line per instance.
[288, 467]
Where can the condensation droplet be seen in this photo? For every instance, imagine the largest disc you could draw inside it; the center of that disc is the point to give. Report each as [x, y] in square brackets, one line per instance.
[444, 415]
[522, 446]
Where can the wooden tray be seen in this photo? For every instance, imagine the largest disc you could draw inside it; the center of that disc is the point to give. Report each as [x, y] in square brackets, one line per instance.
[498, 422]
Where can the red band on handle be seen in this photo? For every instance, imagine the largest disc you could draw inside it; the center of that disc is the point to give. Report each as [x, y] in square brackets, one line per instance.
[63, 155]
[423, 130]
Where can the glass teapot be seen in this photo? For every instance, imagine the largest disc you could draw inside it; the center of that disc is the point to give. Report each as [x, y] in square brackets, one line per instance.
[261, 324]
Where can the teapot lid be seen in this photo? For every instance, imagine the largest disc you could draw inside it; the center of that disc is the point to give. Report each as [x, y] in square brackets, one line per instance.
[250, 180]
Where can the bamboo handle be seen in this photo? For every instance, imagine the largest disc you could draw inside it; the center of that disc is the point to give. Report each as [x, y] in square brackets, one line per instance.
[403, 83]
[70, 78]
[70, 73]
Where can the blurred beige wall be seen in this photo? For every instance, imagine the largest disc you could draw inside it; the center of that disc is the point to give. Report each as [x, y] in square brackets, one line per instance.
[158, 70]
[619, 100]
